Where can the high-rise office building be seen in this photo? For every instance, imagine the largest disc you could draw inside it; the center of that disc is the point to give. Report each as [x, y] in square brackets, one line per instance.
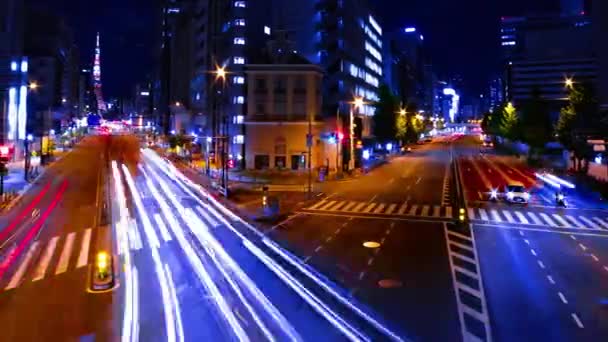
[406, 70]
[541, 53]
[13, 73]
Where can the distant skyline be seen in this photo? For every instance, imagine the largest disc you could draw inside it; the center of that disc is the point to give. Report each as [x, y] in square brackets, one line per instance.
[461, 36]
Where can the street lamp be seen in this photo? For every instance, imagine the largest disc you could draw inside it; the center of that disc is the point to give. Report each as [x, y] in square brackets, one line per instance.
[402, 112]
[33, 85]
[220, 72]
[358, 103]
[569, 82]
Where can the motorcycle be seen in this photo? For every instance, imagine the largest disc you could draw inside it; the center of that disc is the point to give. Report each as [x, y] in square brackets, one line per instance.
[560, 200]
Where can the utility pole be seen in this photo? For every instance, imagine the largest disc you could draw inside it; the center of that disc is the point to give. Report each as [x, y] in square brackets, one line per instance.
[309, 145]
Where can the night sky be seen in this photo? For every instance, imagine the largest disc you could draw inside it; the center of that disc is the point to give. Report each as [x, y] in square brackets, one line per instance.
[462, 35]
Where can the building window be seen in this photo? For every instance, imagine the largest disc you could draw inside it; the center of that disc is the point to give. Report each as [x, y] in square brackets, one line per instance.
[239, 41]
[240, 4]
[239, 60]
[267, 30]
[280, 84]
[238, 139]
[238, 100]
[238, 119]
[298, 161]
[239, 22]
[238, 80]
[280, 161]
[260, 84]
[261, 161]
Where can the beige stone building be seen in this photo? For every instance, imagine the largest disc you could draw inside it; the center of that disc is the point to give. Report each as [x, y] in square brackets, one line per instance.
[283, 105]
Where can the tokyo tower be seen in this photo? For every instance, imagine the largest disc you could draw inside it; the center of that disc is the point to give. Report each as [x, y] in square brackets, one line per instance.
[101, 105]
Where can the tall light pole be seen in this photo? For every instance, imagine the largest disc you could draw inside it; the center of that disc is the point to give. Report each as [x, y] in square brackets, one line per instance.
[357, 103]
[220, 75]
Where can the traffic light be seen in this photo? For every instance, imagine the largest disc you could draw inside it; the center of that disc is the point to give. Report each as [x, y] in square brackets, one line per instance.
[101, 264]
[461, 216]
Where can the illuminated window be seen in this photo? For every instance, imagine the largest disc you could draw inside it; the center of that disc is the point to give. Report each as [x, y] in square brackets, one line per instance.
[239, 41]
[239, 22]
[238, 100]
[238, 80]
[13, 66]
[238, 119]
[238, 139]
[240, 4]
[239, 60]
[267, 30]
[373, 51]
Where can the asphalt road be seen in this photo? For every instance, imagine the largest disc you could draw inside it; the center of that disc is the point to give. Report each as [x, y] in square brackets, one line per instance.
[400, 206]
[61, 223]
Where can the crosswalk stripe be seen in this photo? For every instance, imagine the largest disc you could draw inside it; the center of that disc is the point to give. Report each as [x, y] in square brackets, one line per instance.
[495, 215]
[601, 222]
[402, 208]
[46, 258]
[369, 207]
[379, 208]
[413, 210]
[328, 205]
[471, 213]
[483, 214]
[359, 207]
[548, 220]
[164, 232]
[337, 206]
[560, 220]
[521, 217]
[349, 205]
[64, 258]
[591, 224]
[22, 267]
[508, 216]
[436, 211]
[448, 211]
[84, 249]
[425, 210]
[206, 216]
[534, 218]
[318, 204]
[575, 221]
[390, 209]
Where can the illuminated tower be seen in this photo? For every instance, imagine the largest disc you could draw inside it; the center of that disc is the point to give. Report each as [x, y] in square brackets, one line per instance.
[101, 106]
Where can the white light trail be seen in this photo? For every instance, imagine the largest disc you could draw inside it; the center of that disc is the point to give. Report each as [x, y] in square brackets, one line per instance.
[560, 181]
[548, 181]
[175, 304]
[176, 175]
[154, 245]
[195, 261]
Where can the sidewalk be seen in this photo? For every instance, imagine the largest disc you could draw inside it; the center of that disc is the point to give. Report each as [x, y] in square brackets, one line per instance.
[15, 184]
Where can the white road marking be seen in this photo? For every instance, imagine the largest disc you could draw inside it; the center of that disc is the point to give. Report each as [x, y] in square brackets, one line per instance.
[425, 210]
[573, 237]
[327, 205]
[359, 207]
[594, 257]
[16, 279]
[589, 222]
[548, 220]
[84, 249]
[601, 222]
[349, 206]
[64, 258]
[483, 214]
[508, 216]
[379, 208]
[551, 279]
[318, 249]
[561, 220]
[46, 258]
[533, 252]
[413, 210]
[318, 204]
[561, 296]
[471, 213]
[369, 207]
[540, 263]
[521, 217]
[436, 211]
[495, 215]
[578, 321]
[402, 209]
[582, 247]
[448, 211]
[164, 232]
[575, 221]
[534, 218]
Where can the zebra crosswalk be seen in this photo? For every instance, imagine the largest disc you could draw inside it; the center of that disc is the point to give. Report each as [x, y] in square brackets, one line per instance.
[554, 220]
[381, 208]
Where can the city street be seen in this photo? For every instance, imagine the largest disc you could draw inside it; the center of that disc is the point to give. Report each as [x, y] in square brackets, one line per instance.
[48, 241]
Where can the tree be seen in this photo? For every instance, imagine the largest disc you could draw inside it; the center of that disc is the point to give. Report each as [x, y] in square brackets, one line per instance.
[577, 121]
[535, 126]
[385, 117]
[508, 122]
